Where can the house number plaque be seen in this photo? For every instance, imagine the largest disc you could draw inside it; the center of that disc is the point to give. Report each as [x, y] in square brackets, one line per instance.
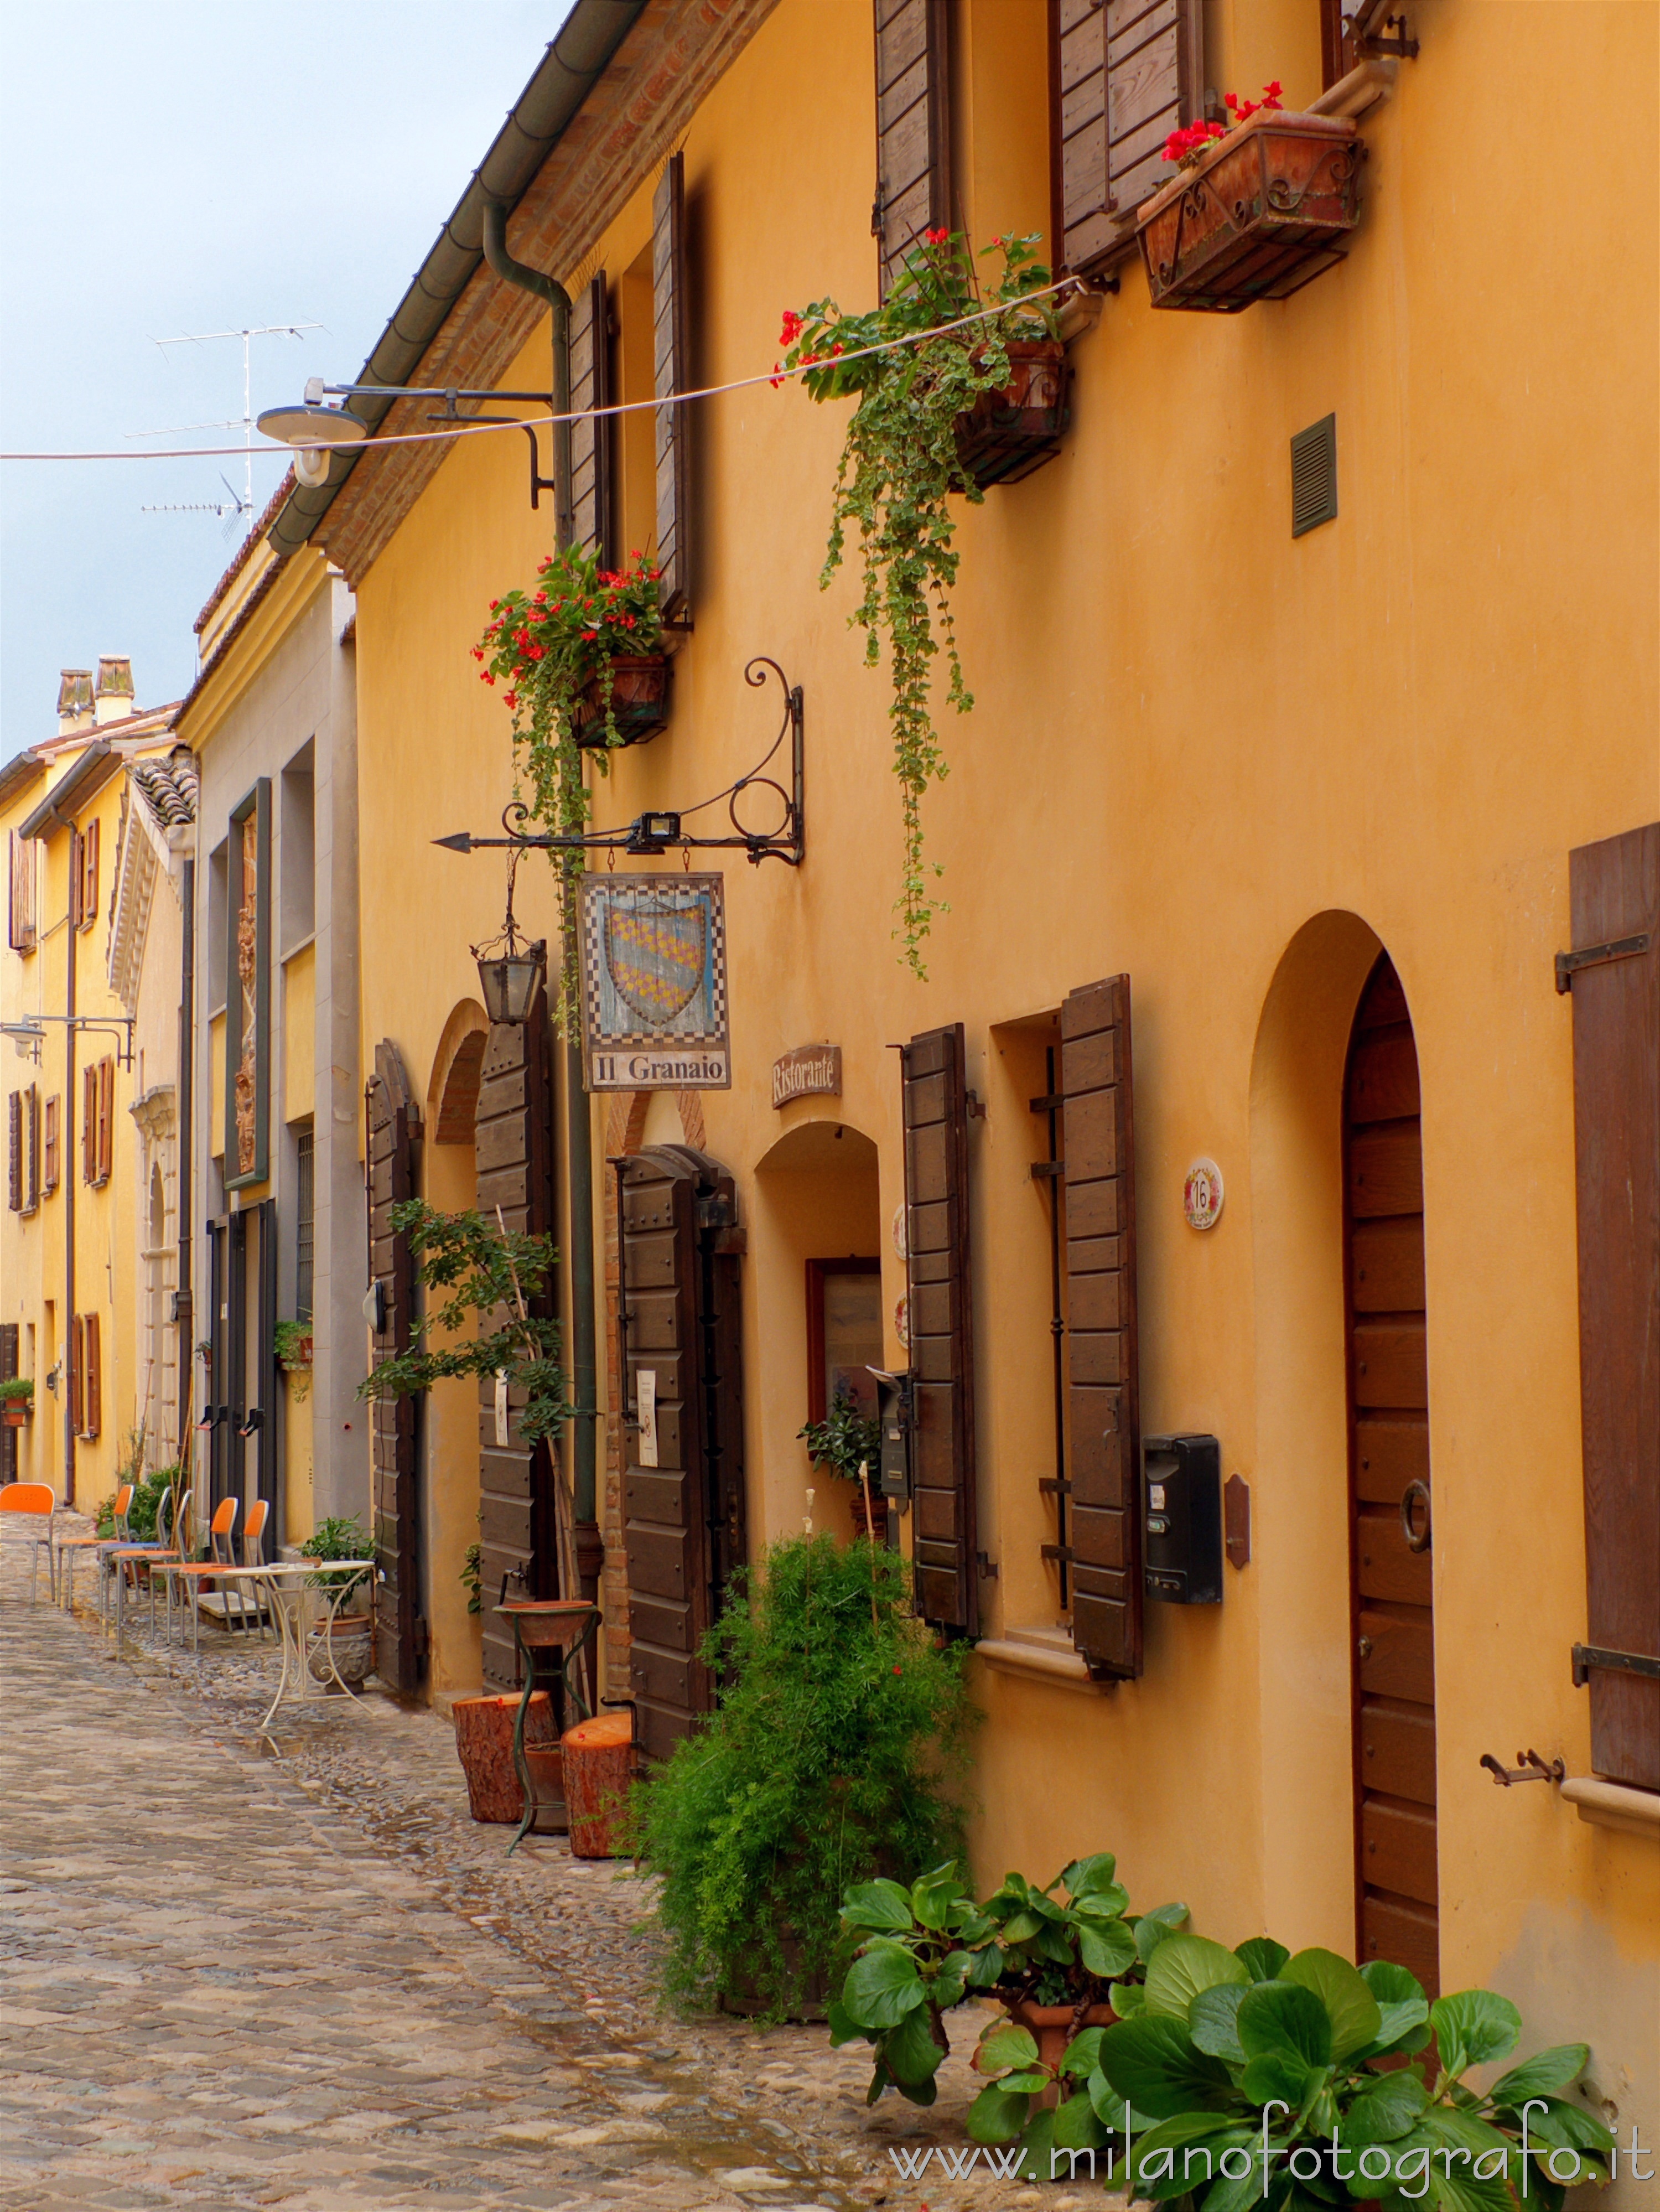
[1202, 1194]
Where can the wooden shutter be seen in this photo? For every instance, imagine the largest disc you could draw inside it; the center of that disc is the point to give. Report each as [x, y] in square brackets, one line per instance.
[31, 1148]
[393, 1125]
[15, 1155]
[941, 1308]
[1615, 892]
[913, 130]
[1103, 1395]
[77, 1374]
[671, 356]
[105, 1120]
[52, 1148]
[20, 932]
[9, 1342]
[89, 875]
[590, 439]
[89, 1125]
[93, 1389]
[514, 1140]
[1124, 74]
[683, 1516]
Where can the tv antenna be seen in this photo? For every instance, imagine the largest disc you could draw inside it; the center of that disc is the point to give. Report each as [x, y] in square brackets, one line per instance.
[230, 509]
[243, 421]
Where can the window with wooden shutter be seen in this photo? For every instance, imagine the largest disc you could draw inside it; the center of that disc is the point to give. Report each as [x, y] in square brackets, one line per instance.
[671, 364]
[106, 1119]
[683, 1485]
[31, 1148]
[20, 928]
[9, 1353]
[89, 1125]
[77, 1374]
[15, 1151]
[941, 1313]
[88, 900]
[591, 472]
[78, 878]
[393, 1125]
[52, 1148]
[1124, 74]
[94, 1392]
[1103, 1393]
[913, 129]
[1614, 894]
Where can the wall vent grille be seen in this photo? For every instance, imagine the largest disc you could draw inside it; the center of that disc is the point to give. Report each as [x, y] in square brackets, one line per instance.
[1314, 476]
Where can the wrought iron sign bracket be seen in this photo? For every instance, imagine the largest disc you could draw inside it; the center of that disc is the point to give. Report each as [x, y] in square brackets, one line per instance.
[662, 832]
[1529, 1767]
[451, 413]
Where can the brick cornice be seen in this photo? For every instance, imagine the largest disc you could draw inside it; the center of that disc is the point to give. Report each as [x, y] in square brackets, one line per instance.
[628, 123]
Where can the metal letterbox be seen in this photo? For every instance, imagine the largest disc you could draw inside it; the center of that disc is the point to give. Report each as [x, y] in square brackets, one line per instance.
[895, 1411]
[1182, 1502]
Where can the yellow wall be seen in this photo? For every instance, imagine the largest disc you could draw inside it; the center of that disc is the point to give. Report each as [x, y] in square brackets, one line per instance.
[1231, 764]
[299, 1024]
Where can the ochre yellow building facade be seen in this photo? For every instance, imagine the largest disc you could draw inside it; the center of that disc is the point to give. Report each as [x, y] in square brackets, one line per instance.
[1233, 766]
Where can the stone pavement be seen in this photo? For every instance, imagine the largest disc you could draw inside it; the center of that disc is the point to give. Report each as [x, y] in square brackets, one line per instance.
[245, 1971]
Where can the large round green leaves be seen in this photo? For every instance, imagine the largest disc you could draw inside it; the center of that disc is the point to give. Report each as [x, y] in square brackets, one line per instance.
[1184, 1965]
[882, 1985]
[1353, 2010]
[1283, 2020]
[1153, 2065]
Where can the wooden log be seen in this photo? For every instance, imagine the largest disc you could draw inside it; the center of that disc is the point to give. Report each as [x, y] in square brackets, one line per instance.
[599, 1769]
[484, 1744]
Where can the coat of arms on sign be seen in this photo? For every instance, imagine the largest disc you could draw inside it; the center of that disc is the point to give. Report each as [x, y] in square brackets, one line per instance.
[653, 961]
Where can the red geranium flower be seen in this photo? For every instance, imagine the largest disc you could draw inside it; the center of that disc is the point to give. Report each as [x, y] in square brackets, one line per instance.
[934, 238]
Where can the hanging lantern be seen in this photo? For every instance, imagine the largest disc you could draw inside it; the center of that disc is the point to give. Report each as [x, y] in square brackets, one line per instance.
[510, 970]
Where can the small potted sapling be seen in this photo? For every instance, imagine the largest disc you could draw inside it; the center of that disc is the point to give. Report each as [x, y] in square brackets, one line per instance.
[346, 1645]
[845, 1441]
[16, 1400]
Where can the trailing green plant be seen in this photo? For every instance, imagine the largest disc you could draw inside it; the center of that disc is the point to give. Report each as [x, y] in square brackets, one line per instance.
[923, 1951]
[487, 1277]
[1304, 2084]
[472, 1577]
[291, 1342]
[546, 646]
[142, 1508]
[845, 1439]
[899, 465]
[338, 1537]
[19, 1390]
[837, 1752]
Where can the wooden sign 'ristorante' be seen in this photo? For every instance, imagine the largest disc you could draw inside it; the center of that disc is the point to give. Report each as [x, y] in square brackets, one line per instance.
[811, 1070]
[654, 984]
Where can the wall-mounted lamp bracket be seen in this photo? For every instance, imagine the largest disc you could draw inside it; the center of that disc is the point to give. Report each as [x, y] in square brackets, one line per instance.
[1529, 1767]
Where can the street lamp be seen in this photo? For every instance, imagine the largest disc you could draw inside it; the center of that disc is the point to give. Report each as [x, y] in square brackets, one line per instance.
[313, 430]
[510, 969]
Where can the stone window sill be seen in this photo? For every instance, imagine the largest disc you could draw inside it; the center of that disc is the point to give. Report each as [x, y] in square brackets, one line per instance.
[1042, 1655]
[1615, 1805]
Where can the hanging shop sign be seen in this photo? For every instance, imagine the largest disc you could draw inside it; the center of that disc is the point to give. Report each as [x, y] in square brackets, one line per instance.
[653, 954]
[811, 1070]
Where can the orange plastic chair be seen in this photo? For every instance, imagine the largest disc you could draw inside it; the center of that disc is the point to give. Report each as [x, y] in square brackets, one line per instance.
[193, 1576]
[69, 1547]
[172, 1524]
[29, 1505]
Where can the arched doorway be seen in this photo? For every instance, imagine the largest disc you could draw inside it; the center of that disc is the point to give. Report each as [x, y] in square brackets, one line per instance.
[1393, 1661]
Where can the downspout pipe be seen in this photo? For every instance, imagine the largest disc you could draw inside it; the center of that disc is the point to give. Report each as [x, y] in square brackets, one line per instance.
[67, 1164]
[185, 1310]
[579, 1134]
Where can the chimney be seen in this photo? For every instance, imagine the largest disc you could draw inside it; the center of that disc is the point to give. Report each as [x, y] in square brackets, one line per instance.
[75, 709]
[114, 701]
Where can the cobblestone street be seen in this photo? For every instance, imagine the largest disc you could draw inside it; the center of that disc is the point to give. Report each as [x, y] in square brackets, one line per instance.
[250, 1970]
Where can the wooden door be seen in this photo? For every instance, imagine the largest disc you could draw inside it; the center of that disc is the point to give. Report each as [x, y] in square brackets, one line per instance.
[394, 1127]
[1392, 1624]
[683, 1487]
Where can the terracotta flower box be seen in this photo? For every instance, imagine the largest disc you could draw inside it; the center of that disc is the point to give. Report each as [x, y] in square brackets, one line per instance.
[1257, 217]
[1006, 435]
[639, 701]
[15, 1411]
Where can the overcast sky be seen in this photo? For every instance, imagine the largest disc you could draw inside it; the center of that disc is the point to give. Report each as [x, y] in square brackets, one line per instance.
[184, 167]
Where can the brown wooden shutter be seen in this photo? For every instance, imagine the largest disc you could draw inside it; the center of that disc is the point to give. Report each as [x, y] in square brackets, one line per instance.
[105, 1120]
[89, 875]
[393, 1126]
[93, 1353]
[89, 1125]
[14, 1156]
[77, 1374]
[590, 439]
[941, 1309]
[1124, 75]
[52, 1146]
[683, 1518]
[1103, 1393]
[21, 930]
[518, 1537]
[31, 1148]
[913, 130]
[9, 1353]
[671, 356]
[1615, 891]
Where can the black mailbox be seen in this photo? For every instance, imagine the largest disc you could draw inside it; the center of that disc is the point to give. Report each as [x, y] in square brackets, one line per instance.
[1182, 1499]
[894, 1412]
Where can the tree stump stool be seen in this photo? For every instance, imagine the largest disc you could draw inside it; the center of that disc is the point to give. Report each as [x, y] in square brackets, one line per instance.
[484, 1744]
[599, 1769]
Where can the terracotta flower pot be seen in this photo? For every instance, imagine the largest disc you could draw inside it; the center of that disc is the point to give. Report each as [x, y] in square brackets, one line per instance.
[639, 701]
[1256, 217]
[1053, 2027]
[1006, 435]
[15, 1411]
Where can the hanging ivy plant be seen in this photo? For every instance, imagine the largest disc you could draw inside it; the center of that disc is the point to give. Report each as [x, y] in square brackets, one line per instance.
[900, 464]
[546, 648]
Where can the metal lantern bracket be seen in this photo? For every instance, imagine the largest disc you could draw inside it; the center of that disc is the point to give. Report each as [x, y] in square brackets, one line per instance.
[449, 393]
[119, 1026]
[661, 831]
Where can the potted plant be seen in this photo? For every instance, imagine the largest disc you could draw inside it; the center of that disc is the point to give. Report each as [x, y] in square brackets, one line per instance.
[837, 1753]
[945, 386]
[16, 1400]
[291, 1342]
[1256, 210]
[346, 1645]
[845, 1441]
[582, 654]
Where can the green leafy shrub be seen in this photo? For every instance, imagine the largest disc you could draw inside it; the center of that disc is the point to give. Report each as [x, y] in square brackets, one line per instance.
[837, 1752]
[338, 1538]
[845, 1439]
[143, 1508]
[19, 1390]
